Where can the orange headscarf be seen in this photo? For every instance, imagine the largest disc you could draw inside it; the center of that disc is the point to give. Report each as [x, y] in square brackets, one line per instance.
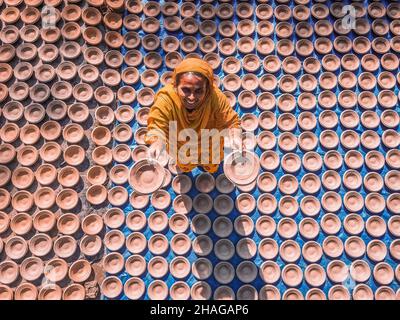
[214, 113]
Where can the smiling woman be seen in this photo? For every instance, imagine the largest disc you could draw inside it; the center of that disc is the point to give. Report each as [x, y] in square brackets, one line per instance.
[192, 108]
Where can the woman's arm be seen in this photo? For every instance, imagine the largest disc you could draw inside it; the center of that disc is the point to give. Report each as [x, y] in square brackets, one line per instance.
[228, 119]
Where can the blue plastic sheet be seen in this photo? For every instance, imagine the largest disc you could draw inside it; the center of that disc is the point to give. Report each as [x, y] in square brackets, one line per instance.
[258, 260]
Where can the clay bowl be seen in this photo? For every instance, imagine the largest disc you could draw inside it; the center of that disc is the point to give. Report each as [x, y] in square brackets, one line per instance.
[134, 288]
[31, 268]
[44, 221]
[337, 271]
[158, 244]
[246, 271]
[65, 246]
[9, 34]
[82, 92]
[111, 287]
[46, 72]
[331, 201]
[331, 180]
[268, 248]
[67, 199]
[27, 155]
[9, 132]
[40, 244]
[44, 198]
[353, 224]
[21, 223]
[201, 224]
[289, 251]
[5, 175]
[9, 272]
[50, 151]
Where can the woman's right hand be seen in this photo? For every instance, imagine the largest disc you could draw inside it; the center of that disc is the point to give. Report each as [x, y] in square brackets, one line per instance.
[155, 150]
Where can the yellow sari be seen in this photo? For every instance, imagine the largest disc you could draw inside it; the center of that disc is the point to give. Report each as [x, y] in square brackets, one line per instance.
[214, 113]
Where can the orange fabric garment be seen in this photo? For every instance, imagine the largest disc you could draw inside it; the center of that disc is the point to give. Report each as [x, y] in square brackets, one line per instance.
[214, 113]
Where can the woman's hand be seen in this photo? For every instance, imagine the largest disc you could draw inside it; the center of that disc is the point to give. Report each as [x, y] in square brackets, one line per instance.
[155, 150]
[237, 142]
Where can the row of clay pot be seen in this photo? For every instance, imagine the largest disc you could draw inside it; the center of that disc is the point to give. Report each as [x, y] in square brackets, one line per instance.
[283, 30]
[307, 141]
[287, 102]
[45, 221]
[288, 185]
[269, 271]
[311, 66]
[27, 291]
[134, 288]
[180, 290]
[327, 119]
[33, 268]
[268, 248]
[41, 244]
[48, 53]
[263, 10]
[265, 226]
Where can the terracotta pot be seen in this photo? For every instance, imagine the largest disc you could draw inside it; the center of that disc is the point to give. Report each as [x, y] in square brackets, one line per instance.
[49, 52]
[27, 155]
[40, 245]
[182, 204]
[44, 221]
[246, 271]
[65, 246]
[331, 201]
[74, 291]
[22, 178]
[134, 288]
[312, 251]
[353, 159]
[201, 224]
[390, 138]
[289, 251]
[50, 292]
[9, 34]
[224, 248]
[360, 271]
[383, 273]
[21, 223]
[67, 199]
[68, 223]
[114, 240]
[375, 226]
[337, 271]
[139, 201]
[310, 183]
[90, 245]
[373, 182]
[5, 175]
[310, 206]
[331, 180]
[315, 275]
[111, 287]
[264, 28]
[158, 244]
[31, 268]
[180, 244]
[9, 132]
[12, 273]
[376, 250]
[333, 247]
[374, 160]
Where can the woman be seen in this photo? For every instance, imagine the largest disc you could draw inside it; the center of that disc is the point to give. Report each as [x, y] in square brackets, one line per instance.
[186, 107]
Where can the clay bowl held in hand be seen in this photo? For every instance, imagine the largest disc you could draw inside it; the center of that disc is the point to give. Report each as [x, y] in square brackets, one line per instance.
[146, 177]
[242, 169]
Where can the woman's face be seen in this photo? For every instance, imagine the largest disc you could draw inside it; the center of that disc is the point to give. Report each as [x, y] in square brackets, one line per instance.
[192, 90]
